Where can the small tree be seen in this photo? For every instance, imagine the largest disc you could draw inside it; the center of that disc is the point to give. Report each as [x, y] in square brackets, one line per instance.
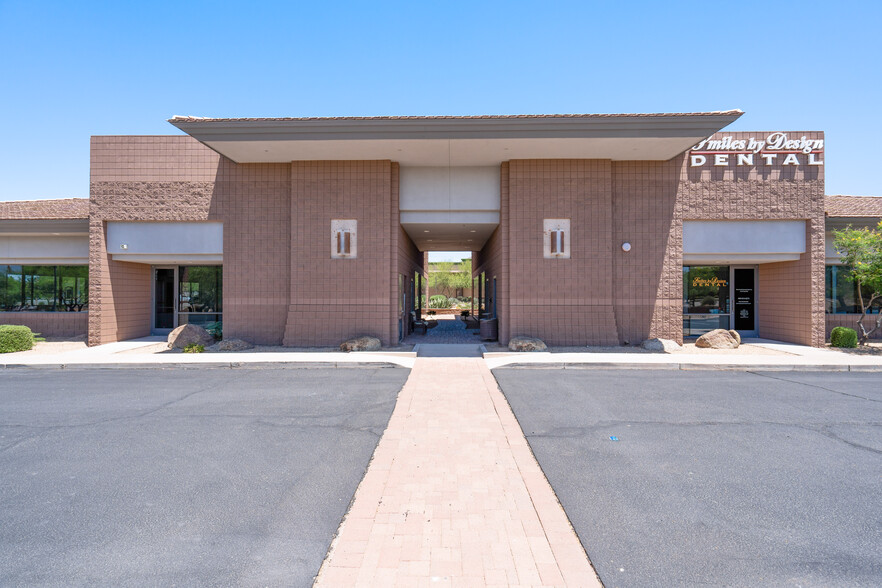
[462, 277]
[861, 250]
[439, 277]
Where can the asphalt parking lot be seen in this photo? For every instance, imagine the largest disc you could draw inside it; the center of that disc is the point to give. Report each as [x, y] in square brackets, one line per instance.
[183, 476]
[676, 478]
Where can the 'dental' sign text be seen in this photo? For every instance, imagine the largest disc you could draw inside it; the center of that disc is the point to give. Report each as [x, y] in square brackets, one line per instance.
[776, 148]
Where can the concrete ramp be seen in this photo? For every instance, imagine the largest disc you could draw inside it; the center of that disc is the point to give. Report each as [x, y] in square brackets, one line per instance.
[449, 350]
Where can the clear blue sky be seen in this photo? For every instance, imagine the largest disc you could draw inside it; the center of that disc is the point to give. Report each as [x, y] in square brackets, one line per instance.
[74, 69]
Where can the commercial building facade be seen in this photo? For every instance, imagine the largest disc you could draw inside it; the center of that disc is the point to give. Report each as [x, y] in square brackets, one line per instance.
[585, 229]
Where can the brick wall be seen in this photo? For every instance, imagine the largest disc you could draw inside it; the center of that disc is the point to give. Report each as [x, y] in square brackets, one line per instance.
[850, 321]
[790, 295]
[409, 258]
[49, 324]
[603, 295]
[561, 301]
[790, 303]
[254, 202]
[138, 179]
[647, 280]
[493, 258]
[335, 299]
[282, 286]
[178, 179]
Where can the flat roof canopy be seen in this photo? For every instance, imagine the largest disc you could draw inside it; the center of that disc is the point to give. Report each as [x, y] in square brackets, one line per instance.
[456, 141]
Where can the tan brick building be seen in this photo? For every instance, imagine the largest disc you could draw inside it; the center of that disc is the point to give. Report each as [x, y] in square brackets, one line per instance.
[585, 229]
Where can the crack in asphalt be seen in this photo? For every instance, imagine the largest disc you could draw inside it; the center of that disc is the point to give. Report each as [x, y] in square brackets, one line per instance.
[820, 428]
[783, 379]
[41, 430]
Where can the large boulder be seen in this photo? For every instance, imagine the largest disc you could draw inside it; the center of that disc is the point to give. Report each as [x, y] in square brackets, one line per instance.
[718, 339]
[665, 345]
[364, 343]
[231, 345]
[188, 334]
[521, 343]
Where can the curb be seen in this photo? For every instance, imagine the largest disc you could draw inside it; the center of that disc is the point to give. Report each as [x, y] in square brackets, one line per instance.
[695, 367]
[290, 365]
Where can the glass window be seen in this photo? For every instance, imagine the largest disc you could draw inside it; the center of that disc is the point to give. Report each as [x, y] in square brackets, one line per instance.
[841, 296]
[705, 299]
[73, 287]
[706, 289]
[11, 287]
[44, 288]
[200, 294]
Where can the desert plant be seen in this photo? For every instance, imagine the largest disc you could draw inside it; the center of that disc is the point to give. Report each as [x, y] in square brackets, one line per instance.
[15, 338]
[843, 337]
[216, 330]
[438, 301]
[194, 348]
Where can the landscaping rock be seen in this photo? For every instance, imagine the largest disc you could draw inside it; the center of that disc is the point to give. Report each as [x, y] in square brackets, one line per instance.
[718, 339]
[736, 336]
[231, 345]
[521, 343]
[189, 334]
[665, 345]
[364, 343]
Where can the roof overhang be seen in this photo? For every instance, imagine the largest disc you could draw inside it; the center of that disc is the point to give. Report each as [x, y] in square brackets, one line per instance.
[49, 227]
[459, 141]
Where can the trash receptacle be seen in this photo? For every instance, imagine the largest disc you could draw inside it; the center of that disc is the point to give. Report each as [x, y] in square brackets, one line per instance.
[489, 329]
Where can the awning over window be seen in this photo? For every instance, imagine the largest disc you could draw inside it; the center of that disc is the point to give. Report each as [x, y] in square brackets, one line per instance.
[732, 242]
[166, 242]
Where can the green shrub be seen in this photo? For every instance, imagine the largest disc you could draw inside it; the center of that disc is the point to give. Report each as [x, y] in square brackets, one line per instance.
[15, 338]
[438, 301]
[843, 337]
[194, 348]
[216, 330]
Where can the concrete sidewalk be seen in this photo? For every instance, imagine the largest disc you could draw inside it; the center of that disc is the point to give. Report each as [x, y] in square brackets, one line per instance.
[125, 354]
[790, 357]
[454, 497]
[140, 353]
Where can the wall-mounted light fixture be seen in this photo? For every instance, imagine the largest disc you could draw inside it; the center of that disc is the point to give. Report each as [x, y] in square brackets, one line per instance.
[344, 244]
[626, 247]
[124, 246]
[556, 234]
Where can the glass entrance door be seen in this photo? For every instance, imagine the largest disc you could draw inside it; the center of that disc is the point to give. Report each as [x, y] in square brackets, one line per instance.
[744, 295]
[163, 299]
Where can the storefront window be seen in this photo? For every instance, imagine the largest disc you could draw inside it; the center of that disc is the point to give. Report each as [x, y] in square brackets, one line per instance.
[44, 288]
[841, 296]
[705, 299]
[200, 294]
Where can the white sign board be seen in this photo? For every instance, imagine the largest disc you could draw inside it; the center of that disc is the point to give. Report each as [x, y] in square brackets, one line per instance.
[777, 148]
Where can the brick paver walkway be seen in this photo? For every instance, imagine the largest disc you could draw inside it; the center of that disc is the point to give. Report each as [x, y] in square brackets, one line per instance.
[454, 497]
[449, 330]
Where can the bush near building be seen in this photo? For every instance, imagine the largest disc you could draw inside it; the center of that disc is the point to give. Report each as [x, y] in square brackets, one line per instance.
[15, 338]
[843, 337]
[861, 251]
